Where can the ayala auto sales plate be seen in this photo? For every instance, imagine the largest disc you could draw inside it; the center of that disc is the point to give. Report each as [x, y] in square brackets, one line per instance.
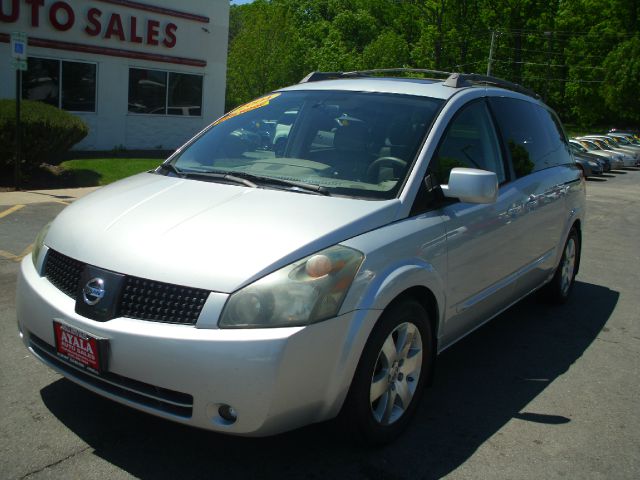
[79, 348]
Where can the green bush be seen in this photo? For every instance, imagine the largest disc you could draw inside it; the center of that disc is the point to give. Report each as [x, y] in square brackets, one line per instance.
[47, 133]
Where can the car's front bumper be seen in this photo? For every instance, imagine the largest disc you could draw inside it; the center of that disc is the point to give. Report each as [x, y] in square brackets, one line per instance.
[275, 379]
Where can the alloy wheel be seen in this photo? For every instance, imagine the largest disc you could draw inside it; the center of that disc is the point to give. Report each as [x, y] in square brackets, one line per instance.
[396, 373]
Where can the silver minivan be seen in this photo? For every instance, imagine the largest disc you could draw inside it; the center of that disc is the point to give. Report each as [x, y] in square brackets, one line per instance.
[309, 254]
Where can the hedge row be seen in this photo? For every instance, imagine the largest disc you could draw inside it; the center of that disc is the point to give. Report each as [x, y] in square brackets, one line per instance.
[47, 133]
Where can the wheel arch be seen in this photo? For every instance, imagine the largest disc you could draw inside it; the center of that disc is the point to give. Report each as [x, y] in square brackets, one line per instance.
[425, 297]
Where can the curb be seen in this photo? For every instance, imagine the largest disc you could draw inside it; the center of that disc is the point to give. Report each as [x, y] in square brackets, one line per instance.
[63, 195]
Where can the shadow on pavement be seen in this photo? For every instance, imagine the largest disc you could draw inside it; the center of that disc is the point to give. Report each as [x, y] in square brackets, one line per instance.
[53, 177]
[481, 383]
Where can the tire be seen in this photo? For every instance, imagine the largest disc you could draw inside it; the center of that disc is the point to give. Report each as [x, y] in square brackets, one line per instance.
[391, 375]
[559, 288]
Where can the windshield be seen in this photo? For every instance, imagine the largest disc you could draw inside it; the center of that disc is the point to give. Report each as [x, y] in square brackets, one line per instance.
[622, 140]
[602, 145]
[358, 144]
[578, 148]
[589, 145]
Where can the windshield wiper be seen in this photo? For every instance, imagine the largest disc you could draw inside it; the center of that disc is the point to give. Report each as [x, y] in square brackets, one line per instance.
[207, 175]
[248, 179]
[290, 184]
[220, 176]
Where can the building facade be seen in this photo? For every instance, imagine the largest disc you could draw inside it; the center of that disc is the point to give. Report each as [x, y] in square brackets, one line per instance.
[142, 75]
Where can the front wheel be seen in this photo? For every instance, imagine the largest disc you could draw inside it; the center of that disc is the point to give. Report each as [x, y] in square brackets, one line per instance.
[390, 377]
[559, 288]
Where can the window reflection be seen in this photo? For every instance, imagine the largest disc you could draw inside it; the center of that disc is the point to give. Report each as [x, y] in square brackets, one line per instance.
[534, 145]
[162, 93]
[147, 91]
[79, 86]
[185, 94]
[41, 81]
[62, 84]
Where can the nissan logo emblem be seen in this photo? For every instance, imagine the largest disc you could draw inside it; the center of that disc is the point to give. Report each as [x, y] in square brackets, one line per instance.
[93, 291]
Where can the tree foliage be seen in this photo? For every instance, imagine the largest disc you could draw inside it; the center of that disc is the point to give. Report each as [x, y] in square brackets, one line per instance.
[582, 56]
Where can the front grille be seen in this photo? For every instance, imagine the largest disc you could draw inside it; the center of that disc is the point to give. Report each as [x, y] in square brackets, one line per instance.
[158, 398]
[140, 298]
[161, 302]
[63, 272]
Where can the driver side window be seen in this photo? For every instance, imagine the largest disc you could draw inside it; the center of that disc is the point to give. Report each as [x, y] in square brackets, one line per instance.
[470, 141]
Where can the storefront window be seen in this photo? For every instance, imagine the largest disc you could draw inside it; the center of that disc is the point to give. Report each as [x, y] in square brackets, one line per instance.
[147, 91]
[185, 94]
[78, 86]
[164, 93]
[76, 92]
[41, 81]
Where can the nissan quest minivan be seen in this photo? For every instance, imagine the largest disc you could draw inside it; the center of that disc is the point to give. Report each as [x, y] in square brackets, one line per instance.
[310, 253]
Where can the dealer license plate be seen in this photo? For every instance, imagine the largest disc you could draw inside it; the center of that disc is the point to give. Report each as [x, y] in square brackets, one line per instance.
[79, 348]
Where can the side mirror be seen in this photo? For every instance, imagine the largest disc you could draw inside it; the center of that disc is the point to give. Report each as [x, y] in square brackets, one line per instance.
[471, 185]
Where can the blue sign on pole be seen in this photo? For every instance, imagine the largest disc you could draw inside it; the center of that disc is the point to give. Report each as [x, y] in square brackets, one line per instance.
[19, 50]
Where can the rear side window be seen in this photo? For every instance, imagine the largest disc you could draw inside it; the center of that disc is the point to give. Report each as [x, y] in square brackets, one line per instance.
[532, 134]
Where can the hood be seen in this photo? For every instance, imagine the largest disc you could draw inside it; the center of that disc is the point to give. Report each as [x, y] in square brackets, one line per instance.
[206, 235]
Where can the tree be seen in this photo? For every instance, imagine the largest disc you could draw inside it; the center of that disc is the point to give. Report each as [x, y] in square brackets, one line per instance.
[620, 90]
[264, 54]
[580, 55]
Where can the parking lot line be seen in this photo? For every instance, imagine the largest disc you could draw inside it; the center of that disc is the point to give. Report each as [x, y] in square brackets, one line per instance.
[24, 253]
[10, 210]
[7, 255]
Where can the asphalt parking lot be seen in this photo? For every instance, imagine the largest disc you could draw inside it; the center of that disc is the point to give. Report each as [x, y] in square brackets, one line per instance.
[540, 392]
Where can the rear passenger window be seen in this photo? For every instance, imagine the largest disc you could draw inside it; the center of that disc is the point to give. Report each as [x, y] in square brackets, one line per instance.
[532, 134]
[470, 141]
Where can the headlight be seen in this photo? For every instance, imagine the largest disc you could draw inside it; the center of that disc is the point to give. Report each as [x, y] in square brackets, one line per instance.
[38, 243]
[307, 291]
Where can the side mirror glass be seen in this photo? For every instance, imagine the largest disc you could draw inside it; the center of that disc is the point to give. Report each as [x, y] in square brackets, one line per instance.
[471, 185]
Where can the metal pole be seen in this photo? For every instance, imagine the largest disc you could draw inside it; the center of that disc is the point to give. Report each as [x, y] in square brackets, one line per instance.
[549, 36]
[18, 129]
[493, 38]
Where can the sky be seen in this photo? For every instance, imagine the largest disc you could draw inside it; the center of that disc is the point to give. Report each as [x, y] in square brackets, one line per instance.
[240, 2]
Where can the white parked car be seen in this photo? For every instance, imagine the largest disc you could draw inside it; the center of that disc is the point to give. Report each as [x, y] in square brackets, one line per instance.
[250, 290]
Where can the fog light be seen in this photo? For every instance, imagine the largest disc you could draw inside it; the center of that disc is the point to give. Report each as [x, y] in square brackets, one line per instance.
[228, 413]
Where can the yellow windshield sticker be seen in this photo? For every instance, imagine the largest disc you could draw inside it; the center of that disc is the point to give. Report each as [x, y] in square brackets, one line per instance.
[247, 107]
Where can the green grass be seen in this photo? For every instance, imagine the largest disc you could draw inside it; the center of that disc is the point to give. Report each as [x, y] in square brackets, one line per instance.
[102, 171]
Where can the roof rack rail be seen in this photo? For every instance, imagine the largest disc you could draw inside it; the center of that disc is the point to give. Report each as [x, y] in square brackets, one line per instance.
[398, 70]
[458, 80]
[318, 76]
[454, 79]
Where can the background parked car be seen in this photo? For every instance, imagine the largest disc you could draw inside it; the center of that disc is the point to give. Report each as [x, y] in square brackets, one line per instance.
[599, 144]
[591, 147]
[580, 152]
[630, 155]
[589, 167]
